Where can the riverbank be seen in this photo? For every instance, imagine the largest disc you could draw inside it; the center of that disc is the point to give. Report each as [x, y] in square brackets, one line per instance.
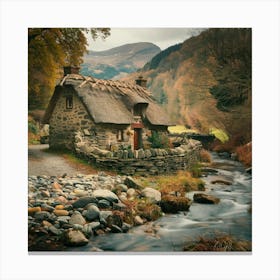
[68, 211]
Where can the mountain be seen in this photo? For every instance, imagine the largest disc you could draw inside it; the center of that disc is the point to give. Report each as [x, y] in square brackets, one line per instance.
[205, 82]
[117, 62]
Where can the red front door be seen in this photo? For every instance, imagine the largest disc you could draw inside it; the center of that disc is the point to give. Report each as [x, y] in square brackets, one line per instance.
[137, 138]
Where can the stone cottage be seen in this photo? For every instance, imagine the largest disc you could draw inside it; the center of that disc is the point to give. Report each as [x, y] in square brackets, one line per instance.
[109, 113]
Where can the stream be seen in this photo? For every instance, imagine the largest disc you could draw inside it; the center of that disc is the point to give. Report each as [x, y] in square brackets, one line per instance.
[172, 231]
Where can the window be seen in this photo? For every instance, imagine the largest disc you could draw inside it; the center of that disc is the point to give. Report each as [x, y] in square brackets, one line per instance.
[69, 102]
[120, 135]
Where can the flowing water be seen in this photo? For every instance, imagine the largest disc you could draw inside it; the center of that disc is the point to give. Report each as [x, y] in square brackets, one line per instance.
[231, 215]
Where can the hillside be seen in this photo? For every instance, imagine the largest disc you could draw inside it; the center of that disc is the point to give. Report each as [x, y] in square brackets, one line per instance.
[205, 83]
[117, 62]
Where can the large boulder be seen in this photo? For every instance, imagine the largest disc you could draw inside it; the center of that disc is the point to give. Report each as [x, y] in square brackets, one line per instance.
[151, 194]
[205, 198]
[174, 204]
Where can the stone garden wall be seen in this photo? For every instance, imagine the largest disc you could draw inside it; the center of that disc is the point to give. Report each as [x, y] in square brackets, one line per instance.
[141, 162]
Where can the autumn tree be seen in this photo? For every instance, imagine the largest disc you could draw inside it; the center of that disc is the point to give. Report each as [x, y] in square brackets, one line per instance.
[232, 50]
[49, 49]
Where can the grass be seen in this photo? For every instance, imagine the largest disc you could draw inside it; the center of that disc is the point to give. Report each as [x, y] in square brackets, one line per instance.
[180, 129]
[181, 182]
[219, 243]
[219, 134]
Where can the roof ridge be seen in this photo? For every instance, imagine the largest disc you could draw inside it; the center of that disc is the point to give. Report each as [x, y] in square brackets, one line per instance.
[113, 83]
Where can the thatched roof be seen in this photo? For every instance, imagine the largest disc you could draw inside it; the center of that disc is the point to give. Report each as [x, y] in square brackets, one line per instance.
[109, 101]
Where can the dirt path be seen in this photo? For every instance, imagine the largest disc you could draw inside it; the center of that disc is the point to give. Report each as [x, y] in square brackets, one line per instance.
[42, 162]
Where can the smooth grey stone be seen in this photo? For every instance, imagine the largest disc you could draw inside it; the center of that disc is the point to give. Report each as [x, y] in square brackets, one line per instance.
[54, 230]
[83, 201]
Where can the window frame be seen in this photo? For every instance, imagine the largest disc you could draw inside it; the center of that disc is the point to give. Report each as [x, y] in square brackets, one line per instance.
[69, 102]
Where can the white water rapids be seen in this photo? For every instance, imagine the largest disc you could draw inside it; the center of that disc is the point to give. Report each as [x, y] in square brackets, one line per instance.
[171, 232]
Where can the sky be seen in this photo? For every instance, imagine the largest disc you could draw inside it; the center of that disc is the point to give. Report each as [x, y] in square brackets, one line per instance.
[162, 37]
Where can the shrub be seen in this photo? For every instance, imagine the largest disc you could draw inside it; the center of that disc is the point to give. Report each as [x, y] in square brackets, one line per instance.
[205, 156]
[158, 140]
[220, 243]
[244, 154]
[219, 134]
[196, 171]
[179, 183]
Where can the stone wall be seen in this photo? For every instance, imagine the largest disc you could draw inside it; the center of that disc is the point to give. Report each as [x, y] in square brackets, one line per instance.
[141, 162]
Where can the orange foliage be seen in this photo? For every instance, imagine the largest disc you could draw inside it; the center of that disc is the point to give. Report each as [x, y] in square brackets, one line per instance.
[205, 156]
[244, 154]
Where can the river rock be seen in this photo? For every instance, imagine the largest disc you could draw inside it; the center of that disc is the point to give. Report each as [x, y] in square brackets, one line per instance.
[116, 229]
[59, 207]
[153, 195]
[221, 181]
[33, 210]
[61, 199]
[45, 193]
[92, 213]
[83, 201]
[77, 218]
[249, 170]
[105, 194]
[204, 198]
[75, 238]
[138, 221]
[46, 224]
[43, 215]
[114, 219]
[87, 230]
[56, 186]
[103, 203]
[54, 230]
[80, 193]
[94, 225]
[131, 192]
[63, 220]
[132, 183]
[174, 204]
[126, 227]
[59, 212]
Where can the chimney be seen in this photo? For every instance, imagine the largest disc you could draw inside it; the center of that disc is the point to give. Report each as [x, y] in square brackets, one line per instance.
[141, 82]
[71, 70]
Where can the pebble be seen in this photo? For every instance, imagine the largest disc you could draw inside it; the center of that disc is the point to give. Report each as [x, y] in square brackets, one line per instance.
[42, 215]
[33, 210]
[54, 230]
[59, 212]
[63, 219]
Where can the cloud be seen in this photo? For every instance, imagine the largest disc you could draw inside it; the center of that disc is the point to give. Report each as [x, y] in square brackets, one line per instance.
[162, 37]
